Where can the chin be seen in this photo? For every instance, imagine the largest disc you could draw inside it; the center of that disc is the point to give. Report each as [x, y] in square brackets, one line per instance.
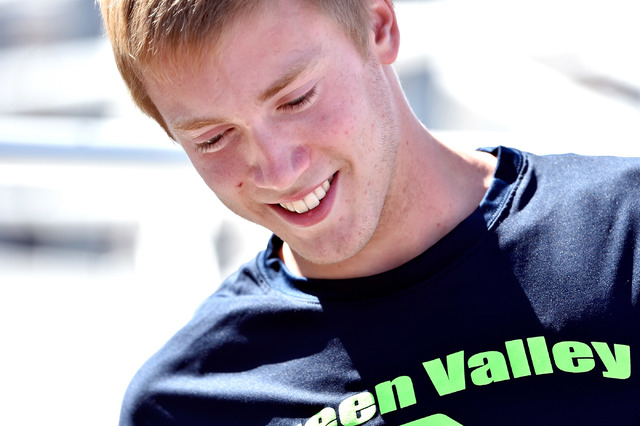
[331, 251]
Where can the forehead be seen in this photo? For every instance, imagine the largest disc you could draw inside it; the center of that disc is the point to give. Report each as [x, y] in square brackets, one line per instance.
[265, 23]
[254, 55]
[285, 26]
[278, 37]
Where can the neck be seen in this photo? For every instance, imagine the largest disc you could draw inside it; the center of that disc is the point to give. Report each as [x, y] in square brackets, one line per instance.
[426, 204]
[434, 188]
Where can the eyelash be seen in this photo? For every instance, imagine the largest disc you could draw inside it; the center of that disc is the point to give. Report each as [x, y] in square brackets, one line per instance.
[300, 101]
[210, 144]
[292, 105]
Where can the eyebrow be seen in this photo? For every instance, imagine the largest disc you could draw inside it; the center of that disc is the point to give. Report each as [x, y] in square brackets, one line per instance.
[198, 123]
[299, 68]
[288, 78]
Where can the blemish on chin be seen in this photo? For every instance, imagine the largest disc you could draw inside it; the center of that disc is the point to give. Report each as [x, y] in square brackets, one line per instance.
[240, 184]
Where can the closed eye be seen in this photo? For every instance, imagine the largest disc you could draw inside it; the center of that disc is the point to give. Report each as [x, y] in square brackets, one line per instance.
[215, 143]
[300, 101]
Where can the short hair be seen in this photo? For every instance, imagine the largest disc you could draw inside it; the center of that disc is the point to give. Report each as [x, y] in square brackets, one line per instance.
[142, 31]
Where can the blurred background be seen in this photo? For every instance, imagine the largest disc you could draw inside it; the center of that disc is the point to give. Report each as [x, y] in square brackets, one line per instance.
[108, 239]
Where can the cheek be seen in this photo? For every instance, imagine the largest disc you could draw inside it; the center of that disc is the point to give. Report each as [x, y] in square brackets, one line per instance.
[222, 173]
[336, 123]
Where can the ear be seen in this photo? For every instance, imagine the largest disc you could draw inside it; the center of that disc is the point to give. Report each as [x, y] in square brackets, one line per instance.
[385, 36]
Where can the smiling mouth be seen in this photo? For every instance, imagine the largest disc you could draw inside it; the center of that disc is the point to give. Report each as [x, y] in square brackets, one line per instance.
[309, 201]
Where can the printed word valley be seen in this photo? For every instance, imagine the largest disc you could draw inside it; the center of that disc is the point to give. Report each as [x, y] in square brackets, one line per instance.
[493, 366]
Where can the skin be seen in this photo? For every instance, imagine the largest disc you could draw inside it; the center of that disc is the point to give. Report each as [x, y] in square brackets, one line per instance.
[296, 104]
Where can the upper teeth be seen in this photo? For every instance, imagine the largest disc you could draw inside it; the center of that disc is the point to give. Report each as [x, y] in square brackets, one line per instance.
[310, 201]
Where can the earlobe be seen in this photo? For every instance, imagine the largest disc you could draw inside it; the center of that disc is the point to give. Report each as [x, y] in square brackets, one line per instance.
[385, 34]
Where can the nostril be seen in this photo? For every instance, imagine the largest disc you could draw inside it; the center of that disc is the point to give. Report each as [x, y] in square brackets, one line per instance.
[281, 168]
[301, 158]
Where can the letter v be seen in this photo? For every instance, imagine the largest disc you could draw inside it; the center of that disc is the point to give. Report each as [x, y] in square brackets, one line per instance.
[447, 380]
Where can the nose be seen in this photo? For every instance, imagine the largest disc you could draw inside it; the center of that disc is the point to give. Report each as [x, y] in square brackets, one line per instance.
[279, 159]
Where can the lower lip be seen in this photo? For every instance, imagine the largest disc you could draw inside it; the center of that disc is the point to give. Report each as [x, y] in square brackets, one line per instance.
[314, 216]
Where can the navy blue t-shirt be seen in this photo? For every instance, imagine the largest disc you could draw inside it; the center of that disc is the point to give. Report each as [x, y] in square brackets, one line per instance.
[525, 314]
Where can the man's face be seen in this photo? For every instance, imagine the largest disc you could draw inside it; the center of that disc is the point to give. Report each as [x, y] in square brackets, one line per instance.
[287, 115]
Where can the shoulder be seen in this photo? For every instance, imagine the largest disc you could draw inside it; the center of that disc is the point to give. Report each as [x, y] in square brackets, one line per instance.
[208, 332]
[572, 238]
[572, 184]
[228, 333]
[571, 210]
[587, 172]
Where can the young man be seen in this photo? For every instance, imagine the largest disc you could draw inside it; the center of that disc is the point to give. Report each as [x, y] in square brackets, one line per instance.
[406, 283]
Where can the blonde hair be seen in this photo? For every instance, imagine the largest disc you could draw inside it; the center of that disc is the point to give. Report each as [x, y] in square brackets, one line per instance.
[142, 31]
